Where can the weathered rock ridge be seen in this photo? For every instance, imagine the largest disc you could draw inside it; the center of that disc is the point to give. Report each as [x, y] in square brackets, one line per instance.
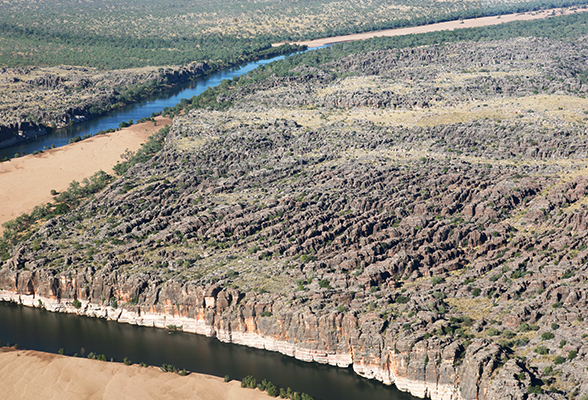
[40, 99]
[447, 257]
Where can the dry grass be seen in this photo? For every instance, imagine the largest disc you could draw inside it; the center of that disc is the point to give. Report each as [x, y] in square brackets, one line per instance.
[478, 308]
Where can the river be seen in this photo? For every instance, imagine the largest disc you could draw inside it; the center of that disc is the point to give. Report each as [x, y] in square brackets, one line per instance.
[136, 111]
[37, 329]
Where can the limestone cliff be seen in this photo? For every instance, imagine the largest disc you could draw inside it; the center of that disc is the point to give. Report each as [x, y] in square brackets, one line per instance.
[438, 242]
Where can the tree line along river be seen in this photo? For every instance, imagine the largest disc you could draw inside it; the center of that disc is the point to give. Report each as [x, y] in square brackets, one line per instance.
[136, 111]
[37, 329]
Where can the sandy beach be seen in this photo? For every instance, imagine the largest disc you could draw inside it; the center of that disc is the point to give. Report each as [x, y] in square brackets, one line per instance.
[442, 26]
[27, 181]
[30, 374]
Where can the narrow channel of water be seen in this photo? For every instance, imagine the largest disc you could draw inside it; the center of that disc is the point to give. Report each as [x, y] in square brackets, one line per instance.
[41, 330]
[136, 111]
[37, 329]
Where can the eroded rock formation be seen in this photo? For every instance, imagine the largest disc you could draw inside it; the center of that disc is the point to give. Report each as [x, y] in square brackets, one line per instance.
[448, 258]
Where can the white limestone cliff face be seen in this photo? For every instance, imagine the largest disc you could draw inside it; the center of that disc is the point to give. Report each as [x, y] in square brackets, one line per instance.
[386, 372]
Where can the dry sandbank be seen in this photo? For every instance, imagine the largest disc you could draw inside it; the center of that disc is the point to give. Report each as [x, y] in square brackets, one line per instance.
[30, 374]
[27, 181]
[441, 26]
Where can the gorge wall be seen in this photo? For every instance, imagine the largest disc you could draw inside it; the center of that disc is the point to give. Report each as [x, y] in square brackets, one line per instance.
[419, 214]
[60, 96]
[431, 368]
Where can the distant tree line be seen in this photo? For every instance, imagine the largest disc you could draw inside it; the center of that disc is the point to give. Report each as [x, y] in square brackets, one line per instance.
[565, 28]
[42, 38]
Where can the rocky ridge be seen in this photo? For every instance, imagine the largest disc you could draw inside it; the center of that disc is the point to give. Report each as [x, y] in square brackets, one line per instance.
[448, 258]
[38, 99]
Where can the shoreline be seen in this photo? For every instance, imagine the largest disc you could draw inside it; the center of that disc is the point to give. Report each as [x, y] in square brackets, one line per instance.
[35, 374]
[441, 26]
[387, 375]
[27, 181]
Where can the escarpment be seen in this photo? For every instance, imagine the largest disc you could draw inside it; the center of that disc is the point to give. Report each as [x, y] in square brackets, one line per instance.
[447, 257]
[38, 99]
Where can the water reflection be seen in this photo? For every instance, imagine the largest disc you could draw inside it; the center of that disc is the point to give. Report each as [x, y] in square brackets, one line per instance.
[144, 109]
[42, 330]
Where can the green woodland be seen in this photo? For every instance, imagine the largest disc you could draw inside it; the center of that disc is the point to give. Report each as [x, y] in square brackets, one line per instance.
[565, 28]
[114, 34]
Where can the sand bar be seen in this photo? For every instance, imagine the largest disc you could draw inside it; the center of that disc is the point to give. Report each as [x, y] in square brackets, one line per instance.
[30, 374]
[27, 181]
[442, 26]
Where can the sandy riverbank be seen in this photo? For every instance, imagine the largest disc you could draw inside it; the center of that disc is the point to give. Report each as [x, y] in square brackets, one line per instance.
[27, 181]
[34, 375]
[442, 26]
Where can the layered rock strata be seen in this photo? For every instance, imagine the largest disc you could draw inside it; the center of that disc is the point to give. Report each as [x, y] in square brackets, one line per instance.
[447, 257]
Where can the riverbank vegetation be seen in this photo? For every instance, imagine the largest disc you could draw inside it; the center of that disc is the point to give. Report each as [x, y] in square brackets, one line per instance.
[22, 227]
[568, 28]
[114, 34]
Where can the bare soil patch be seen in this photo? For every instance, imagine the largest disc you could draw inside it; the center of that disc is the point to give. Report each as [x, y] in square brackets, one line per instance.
[27, 181]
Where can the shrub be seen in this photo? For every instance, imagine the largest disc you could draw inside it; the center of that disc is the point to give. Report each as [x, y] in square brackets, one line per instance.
[402, 299]
[554, 326]
[307, 258]
[493, 331]
[249, 382]
[476, 292]
[76, 303]
[324, 284]
[437, 280]
[227, 378]
[272, 390]
[559, 360]
[534, 389]
[572, 354]
[126, 361]
[168, 368]
[113, 302]
[547, 336]
[520, 342]
[60, 209]
[508, 334]
[541, 350]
